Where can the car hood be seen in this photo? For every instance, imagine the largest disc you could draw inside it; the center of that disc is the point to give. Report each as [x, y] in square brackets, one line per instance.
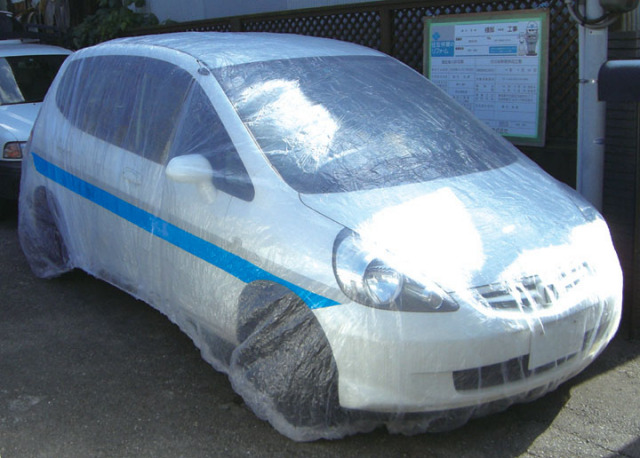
[17, 120]
[466, 231]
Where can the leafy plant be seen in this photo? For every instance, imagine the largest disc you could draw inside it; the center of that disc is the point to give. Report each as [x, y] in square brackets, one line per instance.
[112, 19]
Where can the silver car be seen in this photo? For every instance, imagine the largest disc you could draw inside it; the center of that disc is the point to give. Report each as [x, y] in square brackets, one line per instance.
[27, 68]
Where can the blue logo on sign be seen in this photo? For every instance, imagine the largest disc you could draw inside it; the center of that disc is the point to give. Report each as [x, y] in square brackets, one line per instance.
[442, 48]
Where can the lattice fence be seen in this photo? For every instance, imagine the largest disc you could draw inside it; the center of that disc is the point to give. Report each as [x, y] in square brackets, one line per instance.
[360, 27]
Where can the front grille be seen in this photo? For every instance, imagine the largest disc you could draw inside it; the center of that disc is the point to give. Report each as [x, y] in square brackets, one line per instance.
[517, 369]
[531, 293]
[509, 371]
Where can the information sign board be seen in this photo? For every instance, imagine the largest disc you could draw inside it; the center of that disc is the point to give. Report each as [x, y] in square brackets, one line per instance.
[495, 64]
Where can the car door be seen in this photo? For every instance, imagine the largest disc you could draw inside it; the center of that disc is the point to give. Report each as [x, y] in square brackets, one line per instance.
[161, 90]
[206, 186]
[88, 147]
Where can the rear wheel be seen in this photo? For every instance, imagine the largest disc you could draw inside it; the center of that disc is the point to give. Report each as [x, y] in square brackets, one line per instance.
[40, 238]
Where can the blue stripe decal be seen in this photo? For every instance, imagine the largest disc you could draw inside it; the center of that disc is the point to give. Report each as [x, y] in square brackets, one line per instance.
[207, 251]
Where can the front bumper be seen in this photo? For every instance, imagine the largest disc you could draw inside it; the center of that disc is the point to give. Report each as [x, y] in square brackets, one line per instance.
[421, 362]
[10, 179]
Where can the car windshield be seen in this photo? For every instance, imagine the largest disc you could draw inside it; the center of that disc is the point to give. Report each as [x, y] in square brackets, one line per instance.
[349, 123]
[26, 79]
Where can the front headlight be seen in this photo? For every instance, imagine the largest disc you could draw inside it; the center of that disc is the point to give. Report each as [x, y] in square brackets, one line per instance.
[382, 283]
[366, 278]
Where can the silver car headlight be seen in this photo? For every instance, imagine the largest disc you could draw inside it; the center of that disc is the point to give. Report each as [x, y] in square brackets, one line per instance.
[13, 150]
[366, 278]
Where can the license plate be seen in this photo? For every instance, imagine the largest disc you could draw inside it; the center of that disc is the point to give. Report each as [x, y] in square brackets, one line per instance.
[554, 340]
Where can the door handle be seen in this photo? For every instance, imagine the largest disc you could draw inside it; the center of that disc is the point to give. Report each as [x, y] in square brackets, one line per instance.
[132, 176]
[61, 148]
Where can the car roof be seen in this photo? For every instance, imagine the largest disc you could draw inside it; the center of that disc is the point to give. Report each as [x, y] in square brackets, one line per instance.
[221, 49]
[26, 48]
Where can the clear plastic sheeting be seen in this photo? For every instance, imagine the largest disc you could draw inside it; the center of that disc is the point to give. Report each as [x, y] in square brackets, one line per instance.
[352, 247]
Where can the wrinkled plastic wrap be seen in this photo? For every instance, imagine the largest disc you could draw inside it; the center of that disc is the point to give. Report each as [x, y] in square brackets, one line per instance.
[336, 234]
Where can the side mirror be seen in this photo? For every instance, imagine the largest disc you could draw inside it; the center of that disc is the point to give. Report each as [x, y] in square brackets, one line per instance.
[229, 177]
[190, 168]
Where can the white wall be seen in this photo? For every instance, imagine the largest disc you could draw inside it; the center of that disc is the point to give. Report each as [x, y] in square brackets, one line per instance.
[193, 10]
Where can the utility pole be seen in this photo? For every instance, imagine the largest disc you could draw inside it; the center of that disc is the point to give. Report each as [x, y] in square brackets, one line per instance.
[591, 112]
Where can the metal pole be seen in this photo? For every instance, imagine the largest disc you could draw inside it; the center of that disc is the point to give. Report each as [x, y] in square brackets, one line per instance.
[591, 112]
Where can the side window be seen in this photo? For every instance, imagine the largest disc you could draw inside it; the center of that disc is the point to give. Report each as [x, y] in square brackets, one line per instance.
[74, 88]
[162, 90]
[129, 101]
[200, 131]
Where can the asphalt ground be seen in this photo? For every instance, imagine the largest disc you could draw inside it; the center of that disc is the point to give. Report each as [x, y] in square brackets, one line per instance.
[88, 371]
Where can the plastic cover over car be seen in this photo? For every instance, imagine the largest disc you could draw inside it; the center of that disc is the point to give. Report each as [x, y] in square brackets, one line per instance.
[335, 233]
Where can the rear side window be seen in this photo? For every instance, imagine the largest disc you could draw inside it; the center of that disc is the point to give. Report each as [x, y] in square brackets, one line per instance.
[133, 102]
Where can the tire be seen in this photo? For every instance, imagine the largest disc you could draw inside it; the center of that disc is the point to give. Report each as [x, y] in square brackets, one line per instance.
[285, 371]
[40, 237]
[284, 366]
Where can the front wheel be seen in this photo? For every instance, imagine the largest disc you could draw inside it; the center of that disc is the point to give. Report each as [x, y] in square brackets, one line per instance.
[285, 370]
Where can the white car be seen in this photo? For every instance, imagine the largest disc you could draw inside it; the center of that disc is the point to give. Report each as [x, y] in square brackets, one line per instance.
[334, 232]
[27, 69]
